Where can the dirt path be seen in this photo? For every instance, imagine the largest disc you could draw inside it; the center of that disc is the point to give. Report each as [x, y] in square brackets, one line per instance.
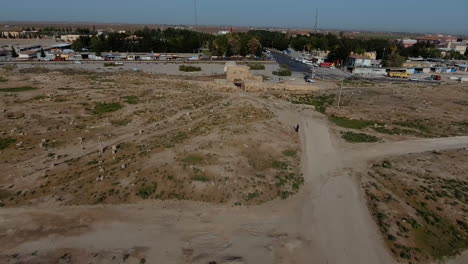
[327, 222]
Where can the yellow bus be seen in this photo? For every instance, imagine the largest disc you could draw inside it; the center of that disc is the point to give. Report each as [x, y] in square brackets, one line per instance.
[404, 75]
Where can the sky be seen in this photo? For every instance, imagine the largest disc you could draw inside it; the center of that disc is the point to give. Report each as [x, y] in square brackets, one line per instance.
[418, 16]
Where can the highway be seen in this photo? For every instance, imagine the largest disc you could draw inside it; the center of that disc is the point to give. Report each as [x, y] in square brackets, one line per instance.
[320, 73]
[331, 74]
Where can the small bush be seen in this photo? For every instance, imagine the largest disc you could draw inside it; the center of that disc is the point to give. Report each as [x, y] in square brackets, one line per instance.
[351, 123]
[120, 122]
[146, 191]
[39, 97]
[3, 79]
[110, 64]
[415, 124]
[358, 137]
[36, 70]
[6, 142]
[200, 178]
[193, 159]
[9, 67]
[282, 72]
[256, 66]
[17, 89]
[386, 164]
[281, 165]
[189, 68]
[290, 153]
[101, 108]
[320, 102]
[131, 99]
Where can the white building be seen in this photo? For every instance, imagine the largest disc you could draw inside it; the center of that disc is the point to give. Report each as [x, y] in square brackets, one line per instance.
[358, 61]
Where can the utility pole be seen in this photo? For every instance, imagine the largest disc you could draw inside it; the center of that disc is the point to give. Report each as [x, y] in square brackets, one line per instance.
[339, 96]
[316, 20]
[196, 24]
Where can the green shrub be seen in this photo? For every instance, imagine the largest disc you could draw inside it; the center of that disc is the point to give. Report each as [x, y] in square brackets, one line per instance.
[193, 159]
[36, 70]
[9, 67]
[290, 152]
[3, 79]
[200, 178]
[110, 64]
[256, 66]
[281, 165]
[146, 191]
[358, 137]
[101, 108]
[131, 99]
[415, 124]
[282, 72]
[6, 142]
[120, 122]
[189, 68]
[39, 97]
[351, 123]
[320, 102]
[394, 131]
[17, 89]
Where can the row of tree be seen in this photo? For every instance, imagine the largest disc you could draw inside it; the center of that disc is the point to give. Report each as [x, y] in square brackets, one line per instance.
[181, 40]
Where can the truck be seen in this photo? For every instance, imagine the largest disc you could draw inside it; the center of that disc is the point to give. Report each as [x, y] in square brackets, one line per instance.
[403, 75]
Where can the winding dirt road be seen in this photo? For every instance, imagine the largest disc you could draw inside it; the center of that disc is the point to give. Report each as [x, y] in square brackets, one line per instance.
[327, 222]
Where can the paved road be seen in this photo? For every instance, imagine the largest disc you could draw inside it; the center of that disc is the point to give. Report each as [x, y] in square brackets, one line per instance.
[320, 73]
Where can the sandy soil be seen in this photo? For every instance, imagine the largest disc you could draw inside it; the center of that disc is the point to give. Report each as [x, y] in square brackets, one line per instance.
[326, 222]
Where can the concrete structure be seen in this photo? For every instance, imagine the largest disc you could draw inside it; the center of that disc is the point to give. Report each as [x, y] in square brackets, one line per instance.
[358, 61]
[240, 74]
[69, 38]
[463, 68]
[369, 71]
[26, 55]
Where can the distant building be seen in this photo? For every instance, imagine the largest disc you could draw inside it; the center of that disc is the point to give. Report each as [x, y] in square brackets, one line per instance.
[355, 61]
[459, 47]
[438, 40]
[407, 42]
[371, 54]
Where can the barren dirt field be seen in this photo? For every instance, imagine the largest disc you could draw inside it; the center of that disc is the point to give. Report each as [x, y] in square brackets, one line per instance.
[396, 111]
[89, 139]
[420, 203]
[136, 168]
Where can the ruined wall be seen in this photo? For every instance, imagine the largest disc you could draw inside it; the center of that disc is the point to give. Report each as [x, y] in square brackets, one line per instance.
[241, 73]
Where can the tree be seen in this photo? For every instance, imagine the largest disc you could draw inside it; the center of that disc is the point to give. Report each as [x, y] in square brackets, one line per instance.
[220, 46]
[394, 60]
[255, 47]
[43, 55]
[13, 52]
[234, 43]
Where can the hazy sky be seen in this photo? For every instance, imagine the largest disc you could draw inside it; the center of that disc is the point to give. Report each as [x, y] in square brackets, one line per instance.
[449, 16]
